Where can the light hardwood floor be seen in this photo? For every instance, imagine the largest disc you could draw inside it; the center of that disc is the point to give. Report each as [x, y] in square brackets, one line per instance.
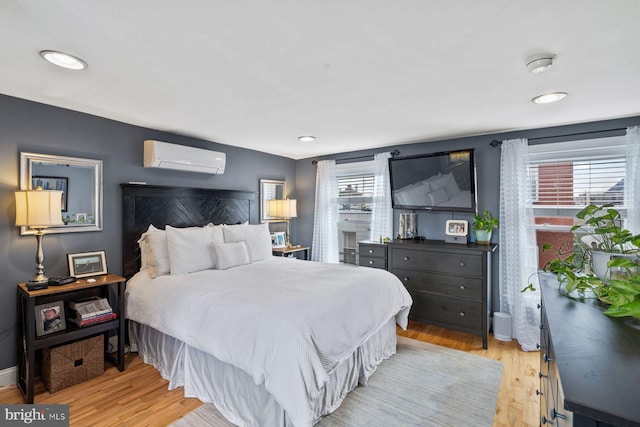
[139, 396]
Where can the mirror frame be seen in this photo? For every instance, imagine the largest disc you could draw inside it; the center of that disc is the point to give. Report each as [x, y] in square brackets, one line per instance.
[263, 183]
[26, 164]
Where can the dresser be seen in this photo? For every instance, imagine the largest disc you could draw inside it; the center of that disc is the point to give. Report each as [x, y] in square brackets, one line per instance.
[372, 254]
[450, 283]
[589, 363]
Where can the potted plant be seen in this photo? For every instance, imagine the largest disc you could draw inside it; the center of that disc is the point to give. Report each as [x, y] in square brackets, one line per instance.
[483, 225]
[617, 281]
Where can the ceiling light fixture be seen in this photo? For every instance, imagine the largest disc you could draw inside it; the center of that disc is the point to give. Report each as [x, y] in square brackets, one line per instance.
[63, 60]
[307, 138]
[548, 98]
[540, 62]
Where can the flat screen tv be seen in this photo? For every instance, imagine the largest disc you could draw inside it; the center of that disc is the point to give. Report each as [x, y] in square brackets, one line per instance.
[438, 181]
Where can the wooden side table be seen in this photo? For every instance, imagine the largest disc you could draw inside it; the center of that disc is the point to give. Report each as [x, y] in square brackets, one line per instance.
[293, 251]
[110, 286]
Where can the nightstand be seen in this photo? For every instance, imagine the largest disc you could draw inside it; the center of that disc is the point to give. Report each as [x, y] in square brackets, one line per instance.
[293, 251]
[110, 286]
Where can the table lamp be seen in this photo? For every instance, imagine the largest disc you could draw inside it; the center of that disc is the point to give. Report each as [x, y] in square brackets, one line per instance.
[285, 209]
[39, 209]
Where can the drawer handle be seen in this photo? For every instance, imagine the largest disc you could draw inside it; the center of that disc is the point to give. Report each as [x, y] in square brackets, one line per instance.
[462, 287]
[548, 359]
[462, 314]
[545, 420]
[541, 375]
[539, 306]
[555, 414]
[406, 258]
[539, 393]
[462, 264]
[406, 279]
[538, 346]
[370, 262]
[370, 251]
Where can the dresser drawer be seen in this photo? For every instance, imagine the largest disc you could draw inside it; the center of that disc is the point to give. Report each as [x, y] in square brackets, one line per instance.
[376, 251]
[446, 311]
[454, 286]
[442, 262]
[367, 261]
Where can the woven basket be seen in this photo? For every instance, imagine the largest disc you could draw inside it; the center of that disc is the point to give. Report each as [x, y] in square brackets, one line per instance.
[73, 363]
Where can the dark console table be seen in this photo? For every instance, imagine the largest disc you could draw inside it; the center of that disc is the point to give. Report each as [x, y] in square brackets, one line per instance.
[590, 363]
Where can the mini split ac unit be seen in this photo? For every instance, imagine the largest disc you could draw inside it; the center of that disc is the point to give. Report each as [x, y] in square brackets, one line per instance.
[180, 157]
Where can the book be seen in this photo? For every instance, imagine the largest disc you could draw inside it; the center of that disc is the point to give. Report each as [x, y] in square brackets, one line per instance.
[90, 307]
[94, 320]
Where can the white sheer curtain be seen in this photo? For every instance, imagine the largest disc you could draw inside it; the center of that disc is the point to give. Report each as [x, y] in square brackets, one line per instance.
[518, 250]
[324, 246]
[632, 180]
[382, 215]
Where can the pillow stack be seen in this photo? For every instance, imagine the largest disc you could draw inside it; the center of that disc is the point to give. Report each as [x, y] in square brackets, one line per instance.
[186, 250]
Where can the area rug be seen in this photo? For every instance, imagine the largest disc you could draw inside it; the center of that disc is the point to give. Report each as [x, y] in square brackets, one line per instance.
[422, 385]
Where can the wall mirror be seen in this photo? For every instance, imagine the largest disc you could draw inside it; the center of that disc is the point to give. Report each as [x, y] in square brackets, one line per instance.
[80, 181]
[270, 189]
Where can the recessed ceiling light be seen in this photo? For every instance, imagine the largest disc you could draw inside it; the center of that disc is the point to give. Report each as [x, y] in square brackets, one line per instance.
[307, 138]
[548, 98]
[540, 62]
[63, 60]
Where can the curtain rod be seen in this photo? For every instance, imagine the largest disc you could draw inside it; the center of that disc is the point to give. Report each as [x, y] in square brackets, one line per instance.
[495, 143]
[370, 156]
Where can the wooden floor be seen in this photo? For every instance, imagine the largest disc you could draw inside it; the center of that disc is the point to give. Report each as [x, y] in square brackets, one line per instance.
[139, 396]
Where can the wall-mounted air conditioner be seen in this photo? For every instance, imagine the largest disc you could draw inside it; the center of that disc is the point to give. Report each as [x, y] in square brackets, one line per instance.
[181, 157]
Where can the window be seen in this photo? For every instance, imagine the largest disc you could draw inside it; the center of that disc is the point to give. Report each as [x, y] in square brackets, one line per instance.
[567, 176]
[355, 191]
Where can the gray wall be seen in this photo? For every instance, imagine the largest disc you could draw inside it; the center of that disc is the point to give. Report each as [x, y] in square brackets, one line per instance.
[432, 224]
[32, 127]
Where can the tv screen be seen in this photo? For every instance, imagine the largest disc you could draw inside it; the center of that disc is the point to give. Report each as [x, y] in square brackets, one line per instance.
[439, 181]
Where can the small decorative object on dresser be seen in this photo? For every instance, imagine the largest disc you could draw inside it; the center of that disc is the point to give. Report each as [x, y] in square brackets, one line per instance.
[456, 231]
[87, 264]
[483, 226]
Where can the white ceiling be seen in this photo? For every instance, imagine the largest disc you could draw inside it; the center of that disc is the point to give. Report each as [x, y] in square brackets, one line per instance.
[357, 74]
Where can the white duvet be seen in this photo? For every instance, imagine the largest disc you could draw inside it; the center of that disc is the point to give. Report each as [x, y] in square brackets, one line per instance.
[285, 322]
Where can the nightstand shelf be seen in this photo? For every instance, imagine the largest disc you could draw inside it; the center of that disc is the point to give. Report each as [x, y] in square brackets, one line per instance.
[109, 286]
[292, 251]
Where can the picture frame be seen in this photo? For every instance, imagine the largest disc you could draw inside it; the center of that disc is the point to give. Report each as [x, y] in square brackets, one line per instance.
[81, 217]
[50, 318]
[59, 183]
[278, 239]
[85, 264]
[456, 227]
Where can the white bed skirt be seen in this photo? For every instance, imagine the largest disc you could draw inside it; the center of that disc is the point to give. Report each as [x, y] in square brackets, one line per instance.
[234, 393]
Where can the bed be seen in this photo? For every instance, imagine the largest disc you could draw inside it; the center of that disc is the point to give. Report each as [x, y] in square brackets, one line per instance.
[268, 340]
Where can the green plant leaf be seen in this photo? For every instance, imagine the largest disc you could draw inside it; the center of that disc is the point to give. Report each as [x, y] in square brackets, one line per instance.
[547, 247]
[630, 309]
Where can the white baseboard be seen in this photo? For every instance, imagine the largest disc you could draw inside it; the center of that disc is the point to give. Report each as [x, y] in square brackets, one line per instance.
[8, 376]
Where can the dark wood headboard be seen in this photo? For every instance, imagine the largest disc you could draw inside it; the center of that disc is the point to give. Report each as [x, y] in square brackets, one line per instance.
[143, 205]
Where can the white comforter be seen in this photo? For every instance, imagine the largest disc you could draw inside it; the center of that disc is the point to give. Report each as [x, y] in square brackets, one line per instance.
[285, 322]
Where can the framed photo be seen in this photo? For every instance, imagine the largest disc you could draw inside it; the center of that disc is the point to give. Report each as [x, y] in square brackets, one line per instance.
[81, 217]
[59, 183]
[50, 318]
[278, 239]
[86, 264]
[457, 227]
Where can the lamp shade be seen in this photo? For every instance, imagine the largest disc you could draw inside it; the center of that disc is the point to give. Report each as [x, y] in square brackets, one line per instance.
[38, 208]
[282, 208]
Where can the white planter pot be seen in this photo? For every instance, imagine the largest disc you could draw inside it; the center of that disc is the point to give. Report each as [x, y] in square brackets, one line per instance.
[599, 260]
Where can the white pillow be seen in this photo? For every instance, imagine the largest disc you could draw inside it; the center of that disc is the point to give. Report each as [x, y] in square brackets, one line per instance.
[155, 256]
[451, 186]
[437, 197]
[190, 249]
[256, 237]
[230, 255]
[412, 194]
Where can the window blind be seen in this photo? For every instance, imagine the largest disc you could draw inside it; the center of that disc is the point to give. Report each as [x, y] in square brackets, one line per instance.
[567, 176]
